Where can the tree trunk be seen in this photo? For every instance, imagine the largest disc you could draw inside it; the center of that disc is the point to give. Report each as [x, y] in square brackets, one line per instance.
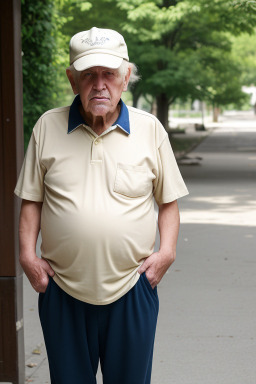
[153, 108]
[202, 110]
[216, 112]
[163, 109]
[135, 99]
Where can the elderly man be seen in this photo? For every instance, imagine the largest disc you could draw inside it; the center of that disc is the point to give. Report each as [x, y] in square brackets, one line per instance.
[89, 180]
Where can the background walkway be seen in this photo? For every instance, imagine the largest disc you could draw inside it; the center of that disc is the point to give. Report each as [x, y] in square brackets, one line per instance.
[207, 329]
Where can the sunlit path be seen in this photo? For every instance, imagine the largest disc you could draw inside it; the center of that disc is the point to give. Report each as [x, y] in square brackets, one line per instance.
[206, 331]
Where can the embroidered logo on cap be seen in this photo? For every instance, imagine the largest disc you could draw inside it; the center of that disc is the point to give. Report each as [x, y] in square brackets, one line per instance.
[97, 41]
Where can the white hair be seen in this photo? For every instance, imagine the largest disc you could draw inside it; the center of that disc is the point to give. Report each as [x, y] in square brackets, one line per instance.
[123, 69]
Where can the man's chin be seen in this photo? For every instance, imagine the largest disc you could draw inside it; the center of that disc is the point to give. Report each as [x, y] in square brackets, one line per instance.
[100, 110]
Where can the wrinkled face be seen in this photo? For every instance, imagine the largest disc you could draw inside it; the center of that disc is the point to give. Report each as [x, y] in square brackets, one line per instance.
[100, 90]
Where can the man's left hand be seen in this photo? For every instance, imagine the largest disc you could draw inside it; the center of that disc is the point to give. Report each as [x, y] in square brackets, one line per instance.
[156, 265]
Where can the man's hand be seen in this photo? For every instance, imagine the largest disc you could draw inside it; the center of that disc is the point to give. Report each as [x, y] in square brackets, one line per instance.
[36, 269]
[38, 272]
[155, 266]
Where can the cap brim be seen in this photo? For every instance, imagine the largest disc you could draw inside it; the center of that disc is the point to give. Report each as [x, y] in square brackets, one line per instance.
[97, 60]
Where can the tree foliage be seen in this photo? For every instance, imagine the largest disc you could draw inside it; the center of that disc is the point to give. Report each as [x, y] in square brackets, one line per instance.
[248, 5]
[183, 48]
[243, 49]
[38, 46]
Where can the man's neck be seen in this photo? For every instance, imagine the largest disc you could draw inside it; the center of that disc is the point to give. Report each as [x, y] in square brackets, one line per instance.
[99, 124]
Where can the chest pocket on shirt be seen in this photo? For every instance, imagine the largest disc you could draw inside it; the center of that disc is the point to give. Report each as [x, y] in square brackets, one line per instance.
[132, 180]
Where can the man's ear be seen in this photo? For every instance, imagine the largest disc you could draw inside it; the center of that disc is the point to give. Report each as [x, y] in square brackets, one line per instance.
[126, 79]
[72, 81]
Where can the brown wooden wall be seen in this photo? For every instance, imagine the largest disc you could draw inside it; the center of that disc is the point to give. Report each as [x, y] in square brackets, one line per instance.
[11, 155]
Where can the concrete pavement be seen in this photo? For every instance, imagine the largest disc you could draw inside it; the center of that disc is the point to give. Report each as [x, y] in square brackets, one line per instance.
[207, 329]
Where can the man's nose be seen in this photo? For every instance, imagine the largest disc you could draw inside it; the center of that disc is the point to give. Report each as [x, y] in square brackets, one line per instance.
[99, 83]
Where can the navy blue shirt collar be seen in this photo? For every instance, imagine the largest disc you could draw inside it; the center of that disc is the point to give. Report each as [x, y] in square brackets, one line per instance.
[75, 118]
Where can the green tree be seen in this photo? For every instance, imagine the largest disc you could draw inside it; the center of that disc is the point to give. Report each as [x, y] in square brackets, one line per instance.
[38, 45]
[45, 58]
[248, 5]
[178, 45]
[243, 49]
[224, 82]
[170, 40]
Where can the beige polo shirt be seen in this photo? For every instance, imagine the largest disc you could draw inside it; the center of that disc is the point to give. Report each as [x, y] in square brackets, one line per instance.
[98, 221]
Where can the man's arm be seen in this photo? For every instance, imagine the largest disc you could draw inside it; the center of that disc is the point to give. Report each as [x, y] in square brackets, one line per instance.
[36, 269]
[157, 264]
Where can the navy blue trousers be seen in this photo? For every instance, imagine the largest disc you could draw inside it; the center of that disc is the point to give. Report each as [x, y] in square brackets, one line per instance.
[120, 335]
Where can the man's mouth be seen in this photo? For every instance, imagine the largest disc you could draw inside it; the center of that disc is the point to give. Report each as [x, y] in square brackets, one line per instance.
[100, 98]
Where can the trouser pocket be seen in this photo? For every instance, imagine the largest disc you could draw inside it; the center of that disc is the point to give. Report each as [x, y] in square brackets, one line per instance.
[43, 295]
[154, 290]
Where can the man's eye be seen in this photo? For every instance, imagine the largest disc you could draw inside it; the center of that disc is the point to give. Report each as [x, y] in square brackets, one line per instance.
[86, 74]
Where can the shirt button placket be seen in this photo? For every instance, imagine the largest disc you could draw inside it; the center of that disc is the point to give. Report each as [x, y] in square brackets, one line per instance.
[97, 151]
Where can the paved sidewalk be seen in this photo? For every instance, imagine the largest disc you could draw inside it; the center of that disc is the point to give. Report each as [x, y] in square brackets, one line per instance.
[207, 329]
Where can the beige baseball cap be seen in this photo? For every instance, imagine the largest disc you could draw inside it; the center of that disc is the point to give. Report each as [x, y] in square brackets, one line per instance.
[97, 47]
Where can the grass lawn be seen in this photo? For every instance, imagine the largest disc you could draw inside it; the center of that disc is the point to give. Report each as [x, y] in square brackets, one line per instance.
[182, 145]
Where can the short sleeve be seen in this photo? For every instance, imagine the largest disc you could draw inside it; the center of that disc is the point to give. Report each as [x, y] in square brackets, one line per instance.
[169, 184]
[30, 185]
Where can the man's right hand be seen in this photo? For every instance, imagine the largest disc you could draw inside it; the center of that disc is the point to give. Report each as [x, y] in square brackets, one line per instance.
[38, 272]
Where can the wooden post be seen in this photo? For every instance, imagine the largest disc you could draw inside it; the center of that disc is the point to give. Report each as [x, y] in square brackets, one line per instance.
[12, 365]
